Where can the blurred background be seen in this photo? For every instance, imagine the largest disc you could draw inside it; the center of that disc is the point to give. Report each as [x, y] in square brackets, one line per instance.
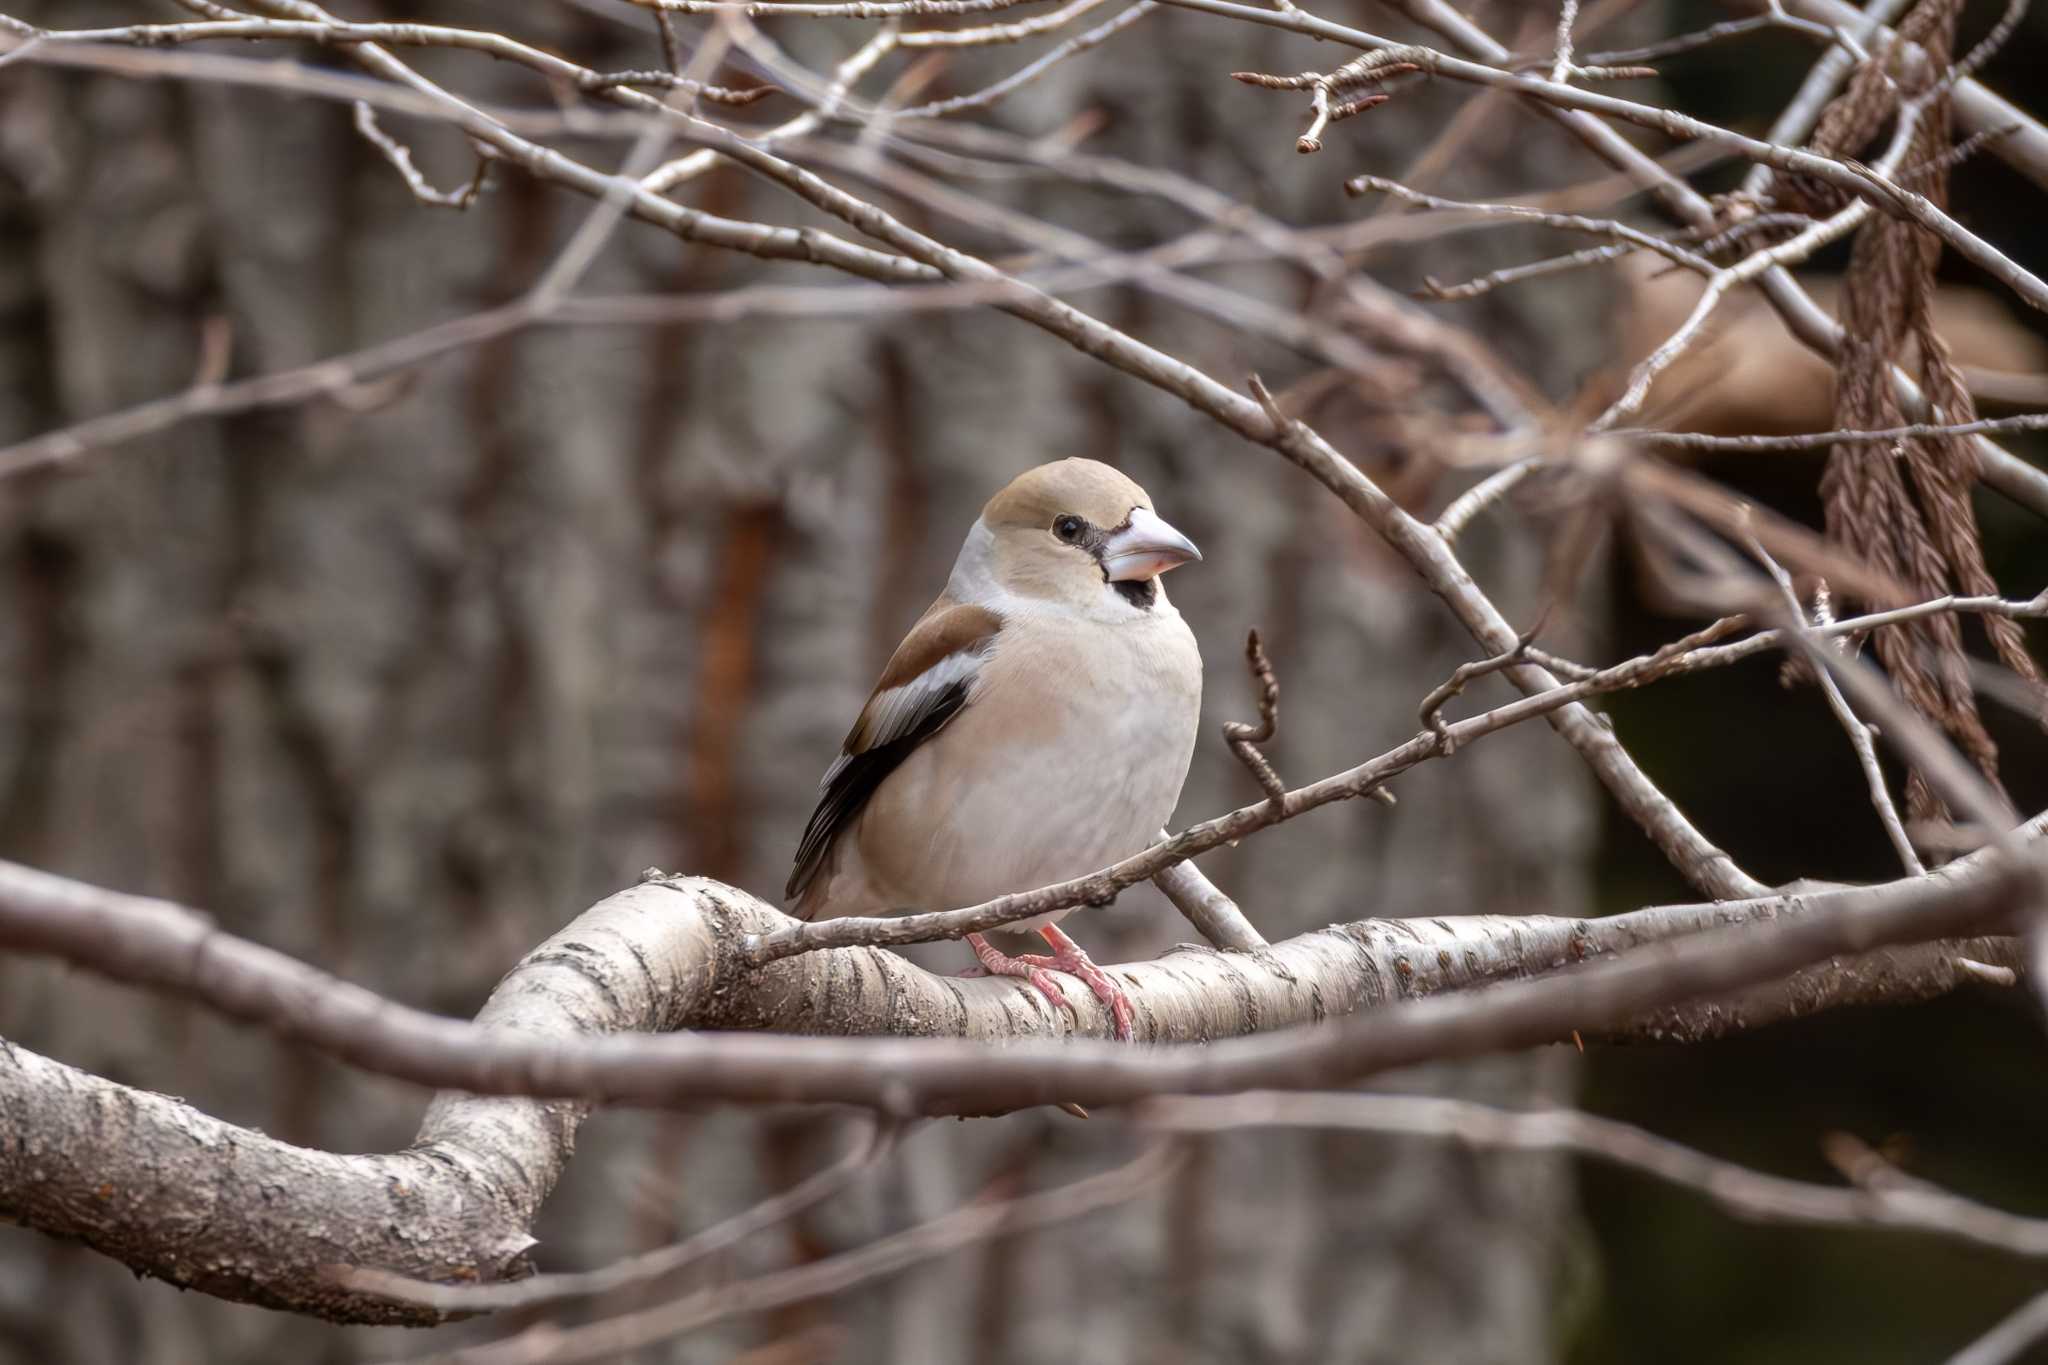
[402, 682]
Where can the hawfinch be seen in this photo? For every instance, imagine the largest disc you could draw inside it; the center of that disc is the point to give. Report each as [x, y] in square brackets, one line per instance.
[1034, 726]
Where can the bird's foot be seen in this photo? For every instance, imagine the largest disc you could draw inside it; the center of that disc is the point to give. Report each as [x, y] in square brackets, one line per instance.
[998, 963]
[1068, 957]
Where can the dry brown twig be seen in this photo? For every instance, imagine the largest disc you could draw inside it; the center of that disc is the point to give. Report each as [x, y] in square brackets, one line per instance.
[1244, 739]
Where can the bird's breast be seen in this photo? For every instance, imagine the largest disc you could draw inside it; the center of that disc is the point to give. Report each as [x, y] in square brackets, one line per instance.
[1069, 757]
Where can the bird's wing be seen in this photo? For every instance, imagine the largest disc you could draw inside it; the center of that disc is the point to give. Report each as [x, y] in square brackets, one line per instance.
[929, 679]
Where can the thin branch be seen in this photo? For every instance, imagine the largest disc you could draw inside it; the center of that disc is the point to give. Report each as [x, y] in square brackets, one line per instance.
[1562, 68]
[1244, 739]
[1482, 495]
[875, 1141]
[1514, 274]
[858, 64]
[1013, 31]
[1738, 1190]
[1859, 734]
[1431, 710]
[857, 9]
[990, 94]
[2011, 1338]
[1692, 41]
[1821, 440]
[1793, 251]
[614, 1337]
[1806, 320]
[401, 160]
[1569, 222]
[1866, 185]
[1977, 108]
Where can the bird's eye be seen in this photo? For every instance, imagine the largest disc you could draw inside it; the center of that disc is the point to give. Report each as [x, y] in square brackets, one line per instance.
[1069, 528]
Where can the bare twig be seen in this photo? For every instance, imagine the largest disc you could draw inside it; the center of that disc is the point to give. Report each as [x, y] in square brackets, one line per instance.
[401, 160]
[1977, 108]
[1432, 707]
[1867, 185]
[1244, 739]
[1821, 440]
[988, 95]
[854, 9]
[1859, 734]
[1569, 222]
[2011, 1338]
[1746, 1193]
[1805, 319]
[1482, 495]
[874, 1142]
[1561, 68]
[1013, 31]
[613, 1337]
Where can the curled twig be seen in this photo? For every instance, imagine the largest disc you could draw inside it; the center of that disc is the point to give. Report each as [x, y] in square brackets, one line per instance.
[1244, 739]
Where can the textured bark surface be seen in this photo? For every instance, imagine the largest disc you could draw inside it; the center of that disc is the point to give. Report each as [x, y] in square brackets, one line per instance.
[400, 686]
[207, 1205]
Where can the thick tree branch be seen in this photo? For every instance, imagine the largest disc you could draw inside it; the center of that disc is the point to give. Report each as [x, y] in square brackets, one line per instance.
[87, 1158]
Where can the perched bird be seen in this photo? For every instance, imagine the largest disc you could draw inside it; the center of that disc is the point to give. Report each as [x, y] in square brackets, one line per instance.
[1035, 724]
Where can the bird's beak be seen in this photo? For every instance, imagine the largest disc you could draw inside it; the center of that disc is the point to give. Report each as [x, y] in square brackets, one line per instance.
[1145, 548]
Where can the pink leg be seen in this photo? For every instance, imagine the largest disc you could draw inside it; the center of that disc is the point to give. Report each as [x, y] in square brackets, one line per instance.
[1068, 957]
[999, 963]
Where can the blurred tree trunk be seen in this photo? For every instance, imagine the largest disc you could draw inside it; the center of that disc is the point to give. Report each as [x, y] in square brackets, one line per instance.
[399, 684]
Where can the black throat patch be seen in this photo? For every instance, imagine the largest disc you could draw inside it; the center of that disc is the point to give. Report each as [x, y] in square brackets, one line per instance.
[1139, 592]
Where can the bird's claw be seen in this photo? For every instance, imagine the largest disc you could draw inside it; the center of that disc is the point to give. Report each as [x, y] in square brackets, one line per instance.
[1067, 959]
[1074, 962]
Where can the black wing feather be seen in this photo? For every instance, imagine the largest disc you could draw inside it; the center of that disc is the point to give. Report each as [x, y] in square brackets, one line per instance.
[853, 780]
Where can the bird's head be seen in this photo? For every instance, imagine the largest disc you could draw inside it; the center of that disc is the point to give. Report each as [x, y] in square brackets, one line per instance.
[1077, 532]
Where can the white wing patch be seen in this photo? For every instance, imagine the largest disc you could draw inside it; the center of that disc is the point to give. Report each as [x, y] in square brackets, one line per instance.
[896, 712]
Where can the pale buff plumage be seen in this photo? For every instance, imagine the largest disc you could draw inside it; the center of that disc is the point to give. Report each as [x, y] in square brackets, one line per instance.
[1035, 724]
